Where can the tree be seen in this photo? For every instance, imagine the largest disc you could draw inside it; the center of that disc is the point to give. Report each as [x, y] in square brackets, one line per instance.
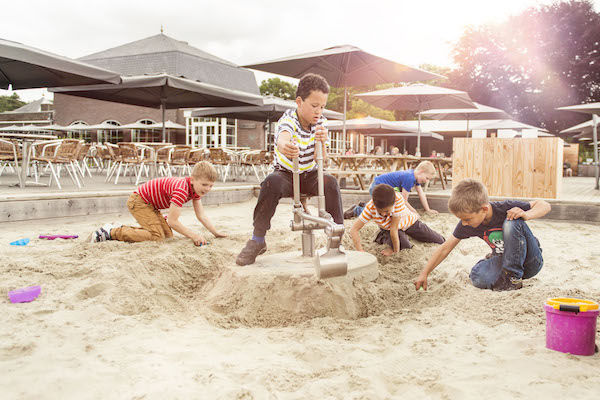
[544, 58]
[279, 88]
[9, 103]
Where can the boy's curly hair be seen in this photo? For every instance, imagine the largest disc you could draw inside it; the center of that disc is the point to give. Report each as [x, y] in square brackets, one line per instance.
[383, 196]
[310, 82]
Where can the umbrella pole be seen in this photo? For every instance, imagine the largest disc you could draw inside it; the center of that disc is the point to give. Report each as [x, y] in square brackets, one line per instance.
[344, 123]
[595, 137]
[418, 151]
[164, 130]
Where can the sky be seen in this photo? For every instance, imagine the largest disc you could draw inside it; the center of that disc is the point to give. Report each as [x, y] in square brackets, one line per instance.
[245, 32]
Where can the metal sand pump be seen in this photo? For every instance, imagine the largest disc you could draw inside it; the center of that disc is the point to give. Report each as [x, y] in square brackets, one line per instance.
[331, 262]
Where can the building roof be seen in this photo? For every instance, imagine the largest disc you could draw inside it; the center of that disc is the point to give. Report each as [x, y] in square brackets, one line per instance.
[163, 54]
[32, 107]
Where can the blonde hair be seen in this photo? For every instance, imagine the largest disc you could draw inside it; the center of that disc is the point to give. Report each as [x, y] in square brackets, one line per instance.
[426, 166]
[204, 169]
[468, 197]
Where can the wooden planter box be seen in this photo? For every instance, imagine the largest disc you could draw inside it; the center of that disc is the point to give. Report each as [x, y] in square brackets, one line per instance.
[529, 168]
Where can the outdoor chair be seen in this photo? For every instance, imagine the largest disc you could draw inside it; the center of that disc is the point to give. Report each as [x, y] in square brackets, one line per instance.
[114, 159]
[180, 158]
[220, 160]
[131, 156]
[163, 160]
[10, 155]
[82, 160]
[65, 154]
[197, 155]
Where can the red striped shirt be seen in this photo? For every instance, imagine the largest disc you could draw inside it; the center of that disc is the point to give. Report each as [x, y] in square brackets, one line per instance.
[163, 192]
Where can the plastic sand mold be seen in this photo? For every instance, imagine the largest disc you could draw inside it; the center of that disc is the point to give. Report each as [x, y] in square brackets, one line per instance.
[24, 295]
[52, 237]
[20, 242]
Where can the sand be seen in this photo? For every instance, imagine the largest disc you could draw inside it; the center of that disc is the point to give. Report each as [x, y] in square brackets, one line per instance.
[156, 321]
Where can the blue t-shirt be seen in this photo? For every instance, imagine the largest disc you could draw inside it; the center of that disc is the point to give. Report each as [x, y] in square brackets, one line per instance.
[398, 179]
[491, 232]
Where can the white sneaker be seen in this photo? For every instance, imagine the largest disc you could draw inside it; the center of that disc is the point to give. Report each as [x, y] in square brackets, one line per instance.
[101, 234]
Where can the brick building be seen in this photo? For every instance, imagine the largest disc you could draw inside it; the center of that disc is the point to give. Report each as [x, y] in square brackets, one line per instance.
[162, 54]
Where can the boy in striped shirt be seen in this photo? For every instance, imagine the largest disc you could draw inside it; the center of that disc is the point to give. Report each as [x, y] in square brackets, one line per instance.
[396, 222]
[164, 193]
[297, 132]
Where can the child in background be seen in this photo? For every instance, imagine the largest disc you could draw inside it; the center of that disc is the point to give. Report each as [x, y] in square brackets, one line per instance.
[403, 181]
[396, 222]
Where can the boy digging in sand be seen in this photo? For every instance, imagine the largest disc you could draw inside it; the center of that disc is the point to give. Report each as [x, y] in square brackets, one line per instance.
[516, 253]
[172, 193]
[396, 222]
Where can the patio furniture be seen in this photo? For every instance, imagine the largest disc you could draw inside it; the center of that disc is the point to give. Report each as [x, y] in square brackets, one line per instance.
[64, 155]
[10, 154]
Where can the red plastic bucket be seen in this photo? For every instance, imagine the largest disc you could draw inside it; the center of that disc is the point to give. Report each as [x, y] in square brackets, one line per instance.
[571, 325]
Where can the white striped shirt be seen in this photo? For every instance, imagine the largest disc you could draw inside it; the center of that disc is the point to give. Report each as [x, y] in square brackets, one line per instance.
[305, 141]
[163, 192]
[407, 217]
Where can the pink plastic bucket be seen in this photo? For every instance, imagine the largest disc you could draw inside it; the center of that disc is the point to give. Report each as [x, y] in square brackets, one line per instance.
[571, 325]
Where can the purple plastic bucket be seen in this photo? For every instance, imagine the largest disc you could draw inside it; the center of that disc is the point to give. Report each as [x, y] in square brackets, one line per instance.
[571, 332]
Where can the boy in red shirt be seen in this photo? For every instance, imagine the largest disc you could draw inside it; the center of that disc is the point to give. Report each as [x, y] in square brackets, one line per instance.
[157, 194]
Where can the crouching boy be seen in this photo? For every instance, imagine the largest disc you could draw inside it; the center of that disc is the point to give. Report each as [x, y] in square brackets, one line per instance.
[162, 193]
[516, 253]
[396, 222]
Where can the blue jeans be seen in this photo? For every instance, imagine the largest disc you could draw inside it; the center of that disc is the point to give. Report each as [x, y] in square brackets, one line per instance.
[522, 256]
[358, 209]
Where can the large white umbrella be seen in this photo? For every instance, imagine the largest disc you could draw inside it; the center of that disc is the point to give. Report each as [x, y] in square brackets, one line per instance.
[344, 66]
[417, 97]
[479, 112]
[594, 109]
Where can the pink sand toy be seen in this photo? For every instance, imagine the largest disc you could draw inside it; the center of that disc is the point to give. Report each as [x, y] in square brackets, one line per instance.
[24, 295]
[52, 237]
[571, 325]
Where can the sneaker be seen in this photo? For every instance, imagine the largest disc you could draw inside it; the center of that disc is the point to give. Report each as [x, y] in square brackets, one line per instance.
[349, 213]
[507, 281]
[250, 252]
[101, 234]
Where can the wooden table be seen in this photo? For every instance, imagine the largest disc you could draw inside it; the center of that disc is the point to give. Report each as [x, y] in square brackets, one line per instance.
[26, 141]
[358, 165]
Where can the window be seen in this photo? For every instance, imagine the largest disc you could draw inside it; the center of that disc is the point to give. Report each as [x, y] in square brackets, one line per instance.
[112, 135]
[80, 134]
[146, 135]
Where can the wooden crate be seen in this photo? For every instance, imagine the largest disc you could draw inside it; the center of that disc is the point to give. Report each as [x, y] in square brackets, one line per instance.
[530, 168]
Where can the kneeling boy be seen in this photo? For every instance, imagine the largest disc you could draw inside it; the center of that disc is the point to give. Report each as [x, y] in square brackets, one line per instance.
[396, 222]
[516, 253]
[172, 193]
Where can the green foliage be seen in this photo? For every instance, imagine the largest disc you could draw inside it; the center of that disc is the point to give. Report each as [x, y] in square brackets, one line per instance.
[9, 103]
[528, 65]
[279, 88]
[357, 108]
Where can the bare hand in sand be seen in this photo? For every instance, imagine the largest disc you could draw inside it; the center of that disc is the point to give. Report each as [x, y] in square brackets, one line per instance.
[516, 213]
[432, 212]
[220, 235]
[421, 282]
[387, 251]
[198, 240]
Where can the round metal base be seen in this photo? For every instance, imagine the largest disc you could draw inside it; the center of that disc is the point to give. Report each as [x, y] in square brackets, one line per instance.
[361, 266]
